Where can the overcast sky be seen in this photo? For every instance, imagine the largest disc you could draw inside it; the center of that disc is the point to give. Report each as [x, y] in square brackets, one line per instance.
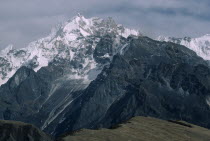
[23, 21]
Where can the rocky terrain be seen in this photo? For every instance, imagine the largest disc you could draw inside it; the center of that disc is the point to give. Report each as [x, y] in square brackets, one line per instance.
[41, 79]
[74, 41]
[200, 45]
[151, 78]
[93, 73]
[19, 131]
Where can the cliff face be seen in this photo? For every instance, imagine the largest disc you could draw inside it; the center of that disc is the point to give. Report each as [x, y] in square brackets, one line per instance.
[149, 78]
[18, 131]
[40, 81]
[144, 78]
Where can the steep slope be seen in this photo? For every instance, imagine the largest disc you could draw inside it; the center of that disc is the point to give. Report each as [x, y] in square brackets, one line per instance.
[199, 45]
[52, 72]
[143, 129]
[150, 78]
[89, 74]
[18, 131]
[73, 41]
[143, 77]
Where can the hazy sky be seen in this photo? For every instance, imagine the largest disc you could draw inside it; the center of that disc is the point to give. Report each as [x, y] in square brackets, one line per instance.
[23, 21]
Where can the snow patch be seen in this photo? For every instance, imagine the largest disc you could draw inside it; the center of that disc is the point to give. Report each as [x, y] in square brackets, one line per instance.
[208, 100]
[200, 45]
[65, 41]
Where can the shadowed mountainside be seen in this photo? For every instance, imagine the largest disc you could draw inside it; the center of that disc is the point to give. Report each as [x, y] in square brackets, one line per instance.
[19, 131]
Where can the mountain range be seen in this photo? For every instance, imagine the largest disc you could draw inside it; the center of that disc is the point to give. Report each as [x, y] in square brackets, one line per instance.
[94, 73]
[200, 45]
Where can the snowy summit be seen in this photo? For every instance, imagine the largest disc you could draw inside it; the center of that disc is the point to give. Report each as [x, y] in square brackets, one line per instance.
[200, 45]
[68, 42]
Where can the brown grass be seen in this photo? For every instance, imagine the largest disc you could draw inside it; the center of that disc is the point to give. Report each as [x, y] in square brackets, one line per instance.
[145, 129]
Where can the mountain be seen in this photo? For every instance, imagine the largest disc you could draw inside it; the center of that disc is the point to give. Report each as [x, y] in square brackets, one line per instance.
[70, 41]
[199, 45]
[143, 129]
[151, 78]
[93, 73]
[19, 131]
[45, 77]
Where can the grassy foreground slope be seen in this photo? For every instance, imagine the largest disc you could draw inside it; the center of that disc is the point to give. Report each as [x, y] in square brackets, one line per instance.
[143, 129]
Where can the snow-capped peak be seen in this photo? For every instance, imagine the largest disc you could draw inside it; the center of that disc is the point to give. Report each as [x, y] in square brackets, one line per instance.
[86, 27]
[200, 45]
[6, 50]
[78, 24]
[68, 41]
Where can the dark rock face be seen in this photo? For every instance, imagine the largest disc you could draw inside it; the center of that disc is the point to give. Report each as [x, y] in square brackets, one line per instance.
[104, 48]
[40, 97]
[145, 77]
[107, 47]
[18, 131]
[151, 78]
[35, 97]
[19, 94]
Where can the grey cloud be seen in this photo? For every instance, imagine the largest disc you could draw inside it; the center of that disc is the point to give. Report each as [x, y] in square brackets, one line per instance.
[23, 21]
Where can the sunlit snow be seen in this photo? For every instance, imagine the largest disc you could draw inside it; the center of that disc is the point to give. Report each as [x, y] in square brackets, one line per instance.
[65, 42]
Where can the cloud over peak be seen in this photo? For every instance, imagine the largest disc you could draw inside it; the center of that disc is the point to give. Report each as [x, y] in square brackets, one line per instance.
[23, 21]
